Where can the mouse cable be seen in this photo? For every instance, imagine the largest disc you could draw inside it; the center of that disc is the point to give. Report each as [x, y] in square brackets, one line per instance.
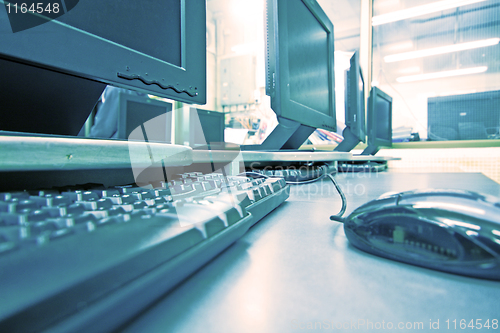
[323, 167]
[338, 217]
[261, 175]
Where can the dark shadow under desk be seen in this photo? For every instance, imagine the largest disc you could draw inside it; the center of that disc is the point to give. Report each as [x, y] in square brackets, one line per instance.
[295, 270]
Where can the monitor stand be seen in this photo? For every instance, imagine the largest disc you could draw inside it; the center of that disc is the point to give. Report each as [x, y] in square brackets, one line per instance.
[280, 151]
[366, 161]
[350, 141]
[370, 150]
[288, 135]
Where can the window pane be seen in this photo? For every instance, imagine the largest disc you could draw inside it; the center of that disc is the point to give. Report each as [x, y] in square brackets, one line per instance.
[440, 61]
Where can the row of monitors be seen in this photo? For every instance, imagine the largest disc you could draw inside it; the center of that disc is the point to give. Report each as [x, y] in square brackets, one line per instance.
[142, 118]
[300, 80]
[76, 59]
[205, 127]
[378, 127]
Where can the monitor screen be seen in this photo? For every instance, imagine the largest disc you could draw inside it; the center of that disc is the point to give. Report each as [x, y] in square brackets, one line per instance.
[308, 68]
[163, 17]
[205, 128]
[358, 117]
[379, 121]
[143, 118]
[63, 62]
[382, 114]
[305, 64]
[299, 72]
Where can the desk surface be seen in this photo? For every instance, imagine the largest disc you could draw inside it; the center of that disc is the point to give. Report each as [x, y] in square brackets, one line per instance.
[295, 269]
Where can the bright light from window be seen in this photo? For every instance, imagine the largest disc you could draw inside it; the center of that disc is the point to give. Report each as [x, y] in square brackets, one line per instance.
[420, 10]
[444, 74]
[248, 48]
[410, 70]
[441, 50]
[400, 46]
[247, 10]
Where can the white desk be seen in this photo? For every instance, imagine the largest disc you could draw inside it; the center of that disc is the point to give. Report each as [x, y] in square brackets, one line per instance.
[296, 268]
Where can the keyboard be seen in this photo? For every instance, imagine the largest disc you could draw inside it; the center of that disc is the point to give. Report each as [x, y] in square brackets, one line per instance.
[88, 259]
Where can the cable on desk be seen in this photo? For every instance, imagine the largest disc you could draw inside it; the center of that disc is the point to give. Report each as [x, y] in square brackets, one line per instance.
[323, 168]
[251, 173]
[306, 181]
[338, 217]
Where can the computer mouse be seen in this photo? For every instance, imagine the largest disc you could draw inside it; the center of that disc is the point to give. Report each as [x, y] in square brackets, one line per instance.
[453, 231]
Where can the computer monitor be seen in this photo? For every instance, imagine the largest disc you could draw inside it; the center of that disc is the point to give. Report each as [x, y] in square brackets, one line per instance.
[379, 125]
[299, 72]
[55, 65]
[354, 132]
[151, 119]
[206, 128]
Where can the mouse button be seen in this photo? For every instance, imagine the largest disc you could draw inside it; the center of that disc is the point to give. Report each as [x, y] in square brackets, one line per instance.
[376, 205]
[461, 204]
[470, 214]
[388, 195]
[438, 193]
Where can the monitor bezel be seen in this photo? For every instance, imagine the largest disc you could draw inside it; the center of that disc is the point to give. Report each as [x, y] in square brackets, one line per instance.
[278, 80]
[61, 50]
[373, 140]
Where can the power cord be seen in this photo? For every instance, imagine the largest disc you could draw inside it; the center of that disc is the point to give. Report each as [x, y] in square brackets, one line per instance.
[337, 217]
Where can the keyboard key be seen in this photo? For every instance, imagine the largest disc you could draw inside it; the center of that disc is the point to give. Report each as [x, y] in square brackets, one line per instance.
[213, 227]
[12, 218]
[6, 245]
[7, 207]
[96, 204]
[20, 204]
[76, 208]
[6, 196]
[37, 215]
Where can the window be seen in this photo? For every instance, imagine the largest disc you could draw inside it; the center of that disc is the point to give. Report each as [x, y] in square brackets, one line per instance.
[440, 61]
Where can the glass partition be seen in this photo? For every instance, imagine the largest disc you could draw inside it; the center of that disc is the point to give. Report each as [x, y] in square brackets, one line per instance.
[440, 61]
